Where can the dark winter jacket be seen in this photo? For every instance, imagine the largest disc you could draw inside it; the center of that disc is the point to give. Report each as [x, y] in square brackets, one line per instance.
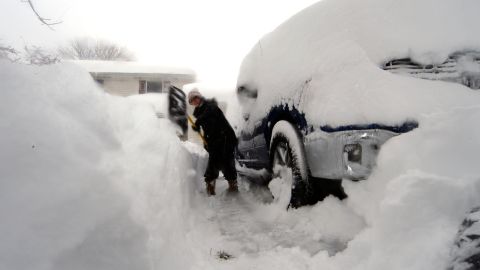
[217, 131]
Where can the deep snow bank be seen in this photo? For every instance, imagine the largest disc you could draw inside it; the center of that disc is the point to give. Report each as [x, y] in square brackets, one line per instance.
[425, 184]
[87, 181]
[405, 216]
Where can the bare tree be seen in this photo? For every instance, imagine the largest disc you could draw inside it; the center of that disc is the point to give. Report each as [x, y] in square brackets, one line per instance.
[36, 55]
[48, 22]
[8, 52]
[31, 54]
[109, 51]
[90, 49]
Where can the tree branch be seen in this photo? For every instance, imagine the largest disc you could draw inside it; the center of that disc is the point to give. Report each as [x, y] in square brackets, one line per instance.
[40, 18]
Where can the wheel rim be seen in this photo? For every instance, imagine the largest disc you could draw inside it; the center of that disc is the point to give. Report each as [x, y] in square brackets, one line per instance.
[281, 156]
[282, 174]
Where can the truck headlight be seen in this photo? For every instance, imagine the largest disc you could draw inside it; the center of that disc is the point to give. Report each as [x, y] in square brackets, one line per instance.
[354, 152]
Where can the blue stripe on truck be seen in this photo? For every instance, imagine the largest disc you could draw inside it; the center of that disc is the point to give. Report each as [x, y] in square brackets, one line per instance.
[405, 127]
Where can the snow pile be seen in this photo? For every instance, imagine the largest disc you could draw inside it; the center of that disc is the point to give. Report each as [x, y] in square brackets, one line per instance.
[156, 172]
[414, 203]
[326, 60]
[54, 192]
[405, 216]
[87, 181]
[157, 101]
[90, 181]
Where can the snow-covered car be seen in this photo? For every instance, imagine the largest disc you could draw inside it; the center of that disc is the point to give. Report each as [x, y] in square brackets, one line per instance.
[466, 251]
[322, 92]
[171, 105]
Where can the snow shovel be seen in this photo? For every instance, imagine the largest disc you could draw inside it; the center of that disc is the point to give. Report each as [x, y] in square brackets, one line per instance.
[199, 133]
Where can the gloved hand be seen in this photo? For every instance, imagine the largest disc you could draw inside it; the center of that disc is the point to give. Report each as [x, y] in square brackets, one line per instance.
[196, 128]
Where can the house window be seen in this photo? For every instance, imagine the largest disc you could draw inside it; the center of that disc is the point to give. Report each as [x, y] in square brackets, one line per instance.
[149, 87]
[142, 87]
[154, 87]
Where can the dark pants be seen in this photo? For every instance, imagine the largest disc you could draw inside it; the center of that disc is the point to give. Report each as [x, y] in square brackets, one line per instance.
[221, 158]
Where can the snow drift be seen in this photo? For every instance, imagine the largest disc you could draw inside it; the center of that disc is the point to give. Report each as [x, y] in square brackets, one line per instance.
[90, 181]
[86, 179]
[405, 216]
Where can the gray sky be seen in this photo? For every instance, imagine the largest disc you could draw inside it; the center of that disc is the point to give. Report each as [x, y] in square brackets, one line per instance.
[210, 36]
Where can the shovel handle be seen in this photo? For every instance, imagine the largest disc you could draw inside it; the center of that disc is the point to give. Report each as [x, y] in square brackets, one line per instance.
[199, 133]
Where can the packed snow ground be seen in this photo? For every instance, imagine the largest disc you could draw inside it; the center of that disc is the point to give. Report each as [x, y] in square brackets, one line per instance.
[91, 181]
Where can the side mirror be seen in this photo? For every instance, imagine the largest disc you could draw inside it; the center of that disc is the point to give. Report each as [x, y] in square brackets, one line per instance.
[246, 92]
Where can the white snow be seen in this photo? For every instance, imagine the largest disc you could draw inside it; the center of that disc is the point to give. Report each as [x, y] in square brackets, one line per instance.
[92, 181]
[326, 60]
[405, 216]
[158, 102]
[87, 180]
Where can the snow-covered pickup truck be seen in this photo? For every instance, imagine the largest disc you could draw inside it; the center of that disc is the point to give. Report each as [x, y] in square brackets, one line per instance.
[322, 92]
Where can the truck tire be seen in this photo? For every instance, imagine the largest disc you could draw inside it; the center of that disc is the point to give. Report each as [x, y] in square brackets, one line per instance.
[287, 151]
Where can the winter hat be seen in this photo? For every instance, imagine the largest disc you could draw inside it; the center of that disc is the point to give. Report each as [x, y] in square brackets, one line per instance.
[193, 94]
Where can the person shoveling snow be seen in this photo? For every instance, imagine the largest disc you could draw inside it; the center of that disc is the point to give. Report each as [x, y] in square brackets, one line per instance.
[219, 141]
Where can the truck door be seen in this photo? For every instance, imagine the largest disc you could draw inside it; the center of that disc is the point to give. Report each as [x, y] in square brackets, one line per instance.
[177, 109]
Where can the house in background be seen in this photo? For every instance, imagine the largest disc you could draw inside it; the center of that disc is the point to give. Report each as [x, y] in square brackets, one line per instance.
[123, 78]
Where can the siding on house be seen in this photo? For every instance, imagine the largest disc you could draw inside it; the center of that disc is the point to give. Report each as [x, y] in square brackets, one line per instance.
[132, 78]
[121, 87]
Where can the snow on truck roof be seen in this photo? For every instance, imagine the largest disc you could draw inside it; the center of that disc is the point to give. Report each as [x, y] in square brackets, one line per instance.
[128, 67]
[327, 60]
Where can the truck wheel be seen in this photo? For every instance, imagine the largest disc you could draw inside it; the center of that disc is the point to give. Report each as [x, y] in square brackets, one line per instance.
[287, 152]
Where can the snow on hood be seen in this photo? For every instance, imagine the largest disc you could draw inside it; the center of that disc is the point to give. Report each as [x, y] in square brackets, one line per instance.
[326, 60]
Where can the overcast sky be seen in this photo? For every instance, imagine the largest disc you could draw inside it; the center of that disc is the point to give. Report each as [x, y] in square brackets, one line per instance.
[210, 36]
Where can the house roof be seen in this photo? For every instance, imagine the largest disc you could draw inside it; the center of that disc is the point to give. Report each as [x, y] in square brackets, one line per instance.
[133, 68]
